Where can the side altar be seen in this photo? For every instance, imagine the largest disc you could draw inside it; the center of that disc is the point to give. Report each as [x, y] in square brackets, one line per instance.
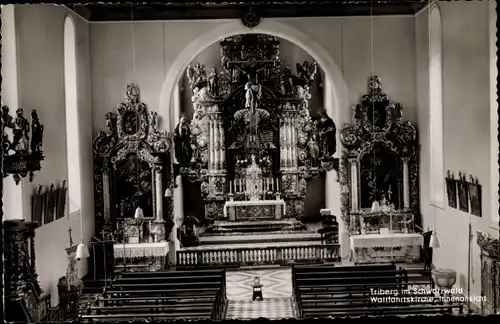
[379, 181]
[252, 144]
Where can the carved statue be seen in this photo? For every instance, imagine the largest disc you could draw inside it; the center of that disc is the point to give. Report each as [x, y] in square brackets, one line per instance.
[213, 82]
[20, 132]
[327, 137]
[287, 80]
[306, 73]
[6, 117]
[313, 150]
[196, 75]
[37, 131]
[253, 94]
[182, 142]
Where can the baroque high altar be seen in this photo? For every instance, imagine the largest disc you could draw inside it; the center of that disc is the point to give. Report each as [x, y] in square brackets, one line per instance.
[252, 143]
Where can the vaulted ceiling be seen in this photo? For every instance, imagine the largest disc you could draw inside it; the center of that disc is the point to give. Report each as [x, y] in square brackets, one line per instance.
[177, 10]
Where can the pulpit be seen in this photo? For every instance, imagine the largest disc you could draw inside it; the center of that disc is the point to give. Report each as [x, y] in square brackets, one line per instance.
[490, 273]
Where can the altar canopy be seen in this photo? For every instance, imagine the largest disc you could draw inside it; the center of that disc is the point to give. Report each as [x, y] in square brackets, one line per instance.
[251, 137]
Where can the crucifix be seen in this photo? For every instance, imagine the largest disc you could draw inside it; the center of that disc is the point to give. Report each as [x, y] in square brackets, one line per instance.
[253, 95]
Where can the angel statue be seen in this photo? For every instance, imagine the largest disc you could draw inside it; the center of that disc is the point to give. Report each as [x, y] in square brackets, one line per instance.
[182, 142]
[306, 73]
[195, 75]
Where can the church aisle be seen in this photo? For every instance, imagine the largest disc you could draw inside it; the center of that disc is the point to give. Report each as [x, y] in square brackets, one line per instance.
[276, 290]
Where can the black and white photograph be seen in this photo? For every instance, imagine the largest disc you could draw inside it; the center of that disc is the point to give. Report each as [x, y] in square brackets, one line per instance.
[240, 160]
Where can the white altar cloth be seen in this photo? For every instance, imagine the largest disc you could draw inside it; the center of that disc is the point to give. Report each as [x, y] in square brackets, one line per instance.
[140, 250]
[386, 240]
[243, 203]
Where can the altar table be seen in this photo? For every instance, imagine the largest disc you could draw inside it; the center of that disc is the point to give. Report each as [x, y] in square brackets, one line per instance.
[140, 250]
[254, 207]
[374, 248]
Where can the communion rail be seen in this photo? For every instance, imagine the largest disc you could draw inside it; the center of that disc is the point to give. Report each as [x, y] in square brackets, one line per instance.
[259, 256]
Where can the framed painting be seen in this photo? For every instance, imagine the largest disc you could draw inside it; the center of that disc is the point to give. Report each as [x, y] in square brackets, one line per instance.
[474, 191]
[463, 193]
[451, 190]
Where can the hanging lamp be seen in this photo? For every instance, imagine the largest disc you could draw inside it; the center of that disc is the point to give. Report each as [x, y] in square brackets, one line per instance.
[375, 203]
[435, 241]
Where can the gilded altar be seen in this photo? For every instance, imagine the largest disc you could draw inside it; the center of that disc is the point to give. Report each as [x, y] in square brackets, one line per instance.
[379, 179]
[251, 137]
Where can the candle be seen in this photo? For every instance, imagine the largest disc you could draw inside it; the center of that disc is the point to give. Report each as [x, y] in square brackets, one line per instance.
[277, 185]
[272, 184]
[230, 187]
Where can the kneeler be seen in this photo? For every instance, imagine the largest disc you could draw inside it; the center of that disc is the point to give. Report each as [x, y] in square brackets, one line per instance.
[257, 289]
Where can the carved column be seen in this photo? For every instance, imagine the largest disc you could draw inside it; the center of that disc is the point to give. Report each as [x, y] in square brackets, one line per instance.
[210, 143]
[282, 145]
[294, 144]
[289, 142]
[106, 193]
[222, 141]
[406, 183]
[158, 191]
[354, 184]
[216, 142]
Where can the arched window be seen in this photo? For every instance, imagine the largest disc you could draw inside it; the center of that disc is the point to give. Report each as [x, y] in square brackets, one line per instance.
[436, 107]
[72, 129]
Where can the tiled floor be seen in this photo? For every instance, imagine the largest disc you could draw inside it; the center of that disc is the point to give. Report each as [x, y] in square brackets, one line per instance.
[277, 283]
[276, 290]
[271, 308]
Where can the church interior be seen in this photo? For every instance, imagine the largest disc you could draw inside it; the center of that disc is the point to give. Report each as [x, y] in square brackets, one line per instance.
[227, 160]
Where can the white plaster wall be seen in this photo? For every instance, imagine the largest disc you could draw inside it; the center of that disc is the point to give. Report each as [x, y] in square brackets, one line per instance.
[467, 139]
[12, 193]
[158, 45]
[39, 30]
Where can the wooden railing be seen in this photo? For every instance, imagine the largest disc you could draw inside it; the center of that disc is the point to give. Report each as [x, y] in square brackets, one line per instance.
[259, 256]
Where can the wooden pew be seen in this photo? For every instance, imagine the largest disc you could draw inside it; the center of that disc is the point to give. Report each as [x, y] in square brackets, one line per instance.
[400, 310]
[162, 296]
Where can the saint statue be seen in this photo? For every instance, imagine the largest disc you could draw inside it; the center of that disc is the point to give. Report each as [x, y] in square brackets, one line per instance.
[213, 83]
[37, 132]
[20, 132]
[182, 142]
[327, 137]
[313, 150]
